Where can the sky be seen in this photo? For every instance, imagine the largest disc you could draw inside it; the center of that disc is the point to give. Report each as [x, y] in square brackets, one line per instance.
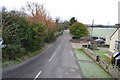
[85, 11]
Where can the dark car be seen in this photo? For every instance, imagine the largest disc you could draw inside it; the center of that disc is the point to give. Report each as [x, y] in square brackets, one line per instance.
[93, 37]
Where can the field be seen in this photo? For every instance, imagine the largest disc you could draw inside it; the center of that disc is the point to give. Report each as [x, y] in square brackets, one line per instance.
[102, 32]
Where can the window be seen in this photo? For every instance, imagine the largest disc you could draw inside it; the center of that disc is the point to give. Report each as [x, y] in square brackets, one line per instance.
[117, 45]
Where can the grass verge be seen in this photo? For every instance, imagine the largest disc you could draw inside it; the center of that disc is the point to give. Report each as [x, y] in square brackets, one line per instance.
[19, 60]
[80, 54]
[93, 70]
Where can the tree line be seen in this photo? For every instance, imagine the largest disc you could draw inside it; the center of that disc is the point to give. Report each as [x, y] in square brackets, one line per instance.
[27, 31]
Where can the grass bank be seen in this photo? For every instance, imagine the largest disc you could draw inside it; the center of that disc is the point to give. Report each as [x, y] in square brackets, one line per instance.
[25, 57]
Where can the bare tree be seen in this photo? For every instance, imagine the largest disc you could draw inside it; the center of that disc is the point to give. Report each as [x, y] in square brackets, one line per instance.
[37, 13]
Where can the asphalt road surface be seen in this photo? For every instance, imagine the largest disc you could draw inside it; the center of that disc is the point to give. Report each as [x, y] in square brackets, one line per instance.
[57, 61]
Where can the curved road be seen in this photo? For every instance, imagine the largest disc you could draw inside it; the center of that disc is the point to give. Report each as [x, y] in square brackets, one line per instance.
[57, 61]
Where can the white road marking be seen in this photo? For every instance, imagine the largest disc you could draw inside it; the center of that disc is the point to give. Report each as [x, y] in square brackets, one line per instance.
[54, 53]
[37, 75]
[72, 70]
[52, 56]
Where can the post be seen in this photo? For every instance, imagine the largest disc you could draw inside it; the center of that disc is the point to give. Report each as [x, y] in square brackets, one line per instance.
[89, 46]
[97, 58]
[115, 68]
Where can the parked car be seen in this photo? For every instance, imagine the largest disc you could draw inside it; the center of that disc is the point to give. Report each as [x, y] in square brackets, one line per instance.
[1, 43]
[100, 41]
[116, 56]
[94, 37]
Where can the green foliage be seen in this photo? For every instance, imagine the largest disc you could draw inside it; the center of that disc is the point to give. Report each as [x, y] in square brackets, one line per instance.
[72, 21]
[49, 36]
[78, 30]
[22, 36]
[58, 33]
[62, 25]
[11, 37]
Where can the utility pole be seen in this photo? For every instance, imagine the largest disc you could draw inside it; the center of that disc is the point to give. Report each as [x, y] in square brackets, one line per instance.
[92, 27]
[107, 30]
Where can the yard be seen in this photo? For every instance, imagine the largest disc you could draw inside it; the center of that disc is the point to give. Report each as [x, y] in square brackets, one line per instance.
[102, 55]
[81, 55]
[88, 66]
[93, 70]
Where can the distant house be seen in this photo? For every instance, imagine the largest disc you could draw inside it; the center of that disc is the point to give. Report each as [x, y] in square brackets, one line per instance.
[115, 41]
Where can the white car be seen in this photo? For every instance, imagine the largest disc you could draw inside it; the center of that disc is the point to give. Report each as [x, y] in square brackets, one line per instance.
[1, 43]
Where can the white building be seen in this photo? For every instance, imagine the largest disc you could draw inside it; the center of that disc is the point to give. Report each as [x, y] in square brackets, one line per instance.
[115, 41]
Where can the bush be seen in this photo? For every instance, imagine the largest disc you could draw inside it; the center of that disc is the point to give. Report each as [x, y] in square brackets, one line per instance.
[49, 36]
[21, 36]
[78, 30]
[12, 30]
[58, 33]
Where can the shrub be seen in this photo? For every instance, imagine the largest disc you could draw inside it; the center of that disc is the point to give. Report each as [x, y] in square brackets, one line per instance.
[49, 36]
[78, 30]
[21, 36]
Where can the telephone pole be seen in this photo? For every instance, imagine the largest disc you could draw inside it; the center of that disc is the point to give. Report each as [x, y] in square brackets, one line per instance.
[92, 27]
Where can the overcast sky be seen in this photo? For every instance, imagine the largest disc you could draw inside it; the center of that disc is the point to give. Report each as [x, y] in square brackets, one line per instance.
[102, 11]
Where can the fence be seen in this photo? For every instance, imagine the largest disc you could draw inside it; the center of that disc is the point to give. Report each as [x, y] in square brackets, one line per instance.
[107, 67]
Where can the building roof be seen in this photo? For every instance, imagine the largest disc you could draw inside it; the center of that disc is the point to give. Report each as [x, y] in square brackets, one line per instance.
[118, 27]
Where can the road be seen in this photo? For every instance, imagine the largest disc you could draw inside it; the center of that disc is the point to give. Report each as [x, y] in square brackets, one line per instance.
[57, 61]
